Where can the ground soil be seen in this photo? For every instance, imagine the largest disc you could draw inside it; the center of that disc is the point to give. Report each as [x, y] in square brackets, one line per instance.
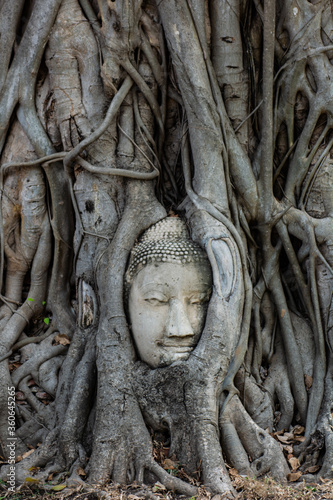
[247, 489]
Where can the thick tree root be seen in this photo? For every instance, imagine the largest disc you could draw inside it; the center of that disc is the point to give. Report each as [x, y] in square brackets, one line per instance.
[170, 398]
[325, 424]
[79, 406]
[258, 403]
[250, 449]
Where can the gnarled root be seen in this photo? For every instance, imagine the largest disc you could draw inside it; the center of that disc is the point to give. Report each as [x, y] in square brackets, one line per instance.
[170, 398]
[39, 458]
[325, 426]
[79, 406]
[258, 402]
[248, 447]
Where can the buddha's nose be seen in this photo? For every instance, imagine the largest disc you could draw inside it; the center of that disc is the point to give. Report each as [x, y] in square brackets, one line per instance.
[178, 324]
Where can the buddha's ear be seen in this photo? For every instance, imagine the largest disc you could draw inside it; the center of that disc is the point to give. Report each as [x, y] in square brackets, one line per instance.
[222, 256]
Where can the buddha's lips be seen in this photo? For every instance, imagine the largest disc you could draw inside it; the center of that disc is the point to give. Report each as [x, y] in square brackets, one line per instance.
[180, 348]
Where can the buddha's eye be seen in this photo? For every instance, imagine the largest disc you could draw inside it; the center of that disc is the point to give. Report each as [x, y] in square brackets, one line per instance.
[156, 301]
[195, 302]
[198, 300]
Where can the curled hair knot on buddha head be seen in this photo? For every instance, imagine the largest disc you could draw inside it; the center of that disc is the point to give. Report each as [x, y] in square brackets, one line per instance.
[166, 241]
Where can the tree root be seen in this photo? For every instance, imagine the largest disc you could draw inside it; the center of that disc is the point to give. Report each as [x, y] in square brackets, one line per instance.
[258, 402]
[170, 398]
[39, 458]
[44, 352]
[325, 424]
[79, 405]
[243, 440]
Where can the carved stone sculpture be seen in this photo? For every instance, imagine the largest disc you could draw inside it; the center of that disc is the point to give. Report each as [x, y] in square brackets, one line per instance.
[169, 285]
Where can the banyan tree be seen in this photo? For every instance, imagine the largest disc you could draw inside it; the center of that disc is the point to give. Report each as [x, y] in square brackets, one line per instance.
[122, 117]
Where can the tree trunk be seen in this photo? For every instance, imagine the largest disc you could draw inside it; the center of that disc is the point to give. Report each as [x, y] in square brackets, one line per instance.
[113, 116]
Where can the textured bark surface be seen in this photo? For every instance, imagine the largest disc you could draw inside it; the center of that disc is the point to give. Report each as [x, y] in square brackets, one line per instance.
[113, 115]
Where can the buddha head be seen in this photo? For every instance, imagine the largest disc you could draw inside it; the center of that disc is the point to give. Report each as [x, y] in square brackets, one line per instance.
[168, 284]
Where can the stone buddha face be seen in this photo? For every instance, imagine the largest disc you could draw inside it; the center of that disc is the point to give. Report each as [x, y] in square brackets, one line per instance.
[169, 293]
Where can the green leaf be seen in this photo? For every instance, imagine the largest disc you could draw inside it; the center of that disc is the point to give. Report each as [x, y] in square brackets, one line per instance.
[31, 480]
[30, 299]
[46, 321]
[59, 487]
[43, 303]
